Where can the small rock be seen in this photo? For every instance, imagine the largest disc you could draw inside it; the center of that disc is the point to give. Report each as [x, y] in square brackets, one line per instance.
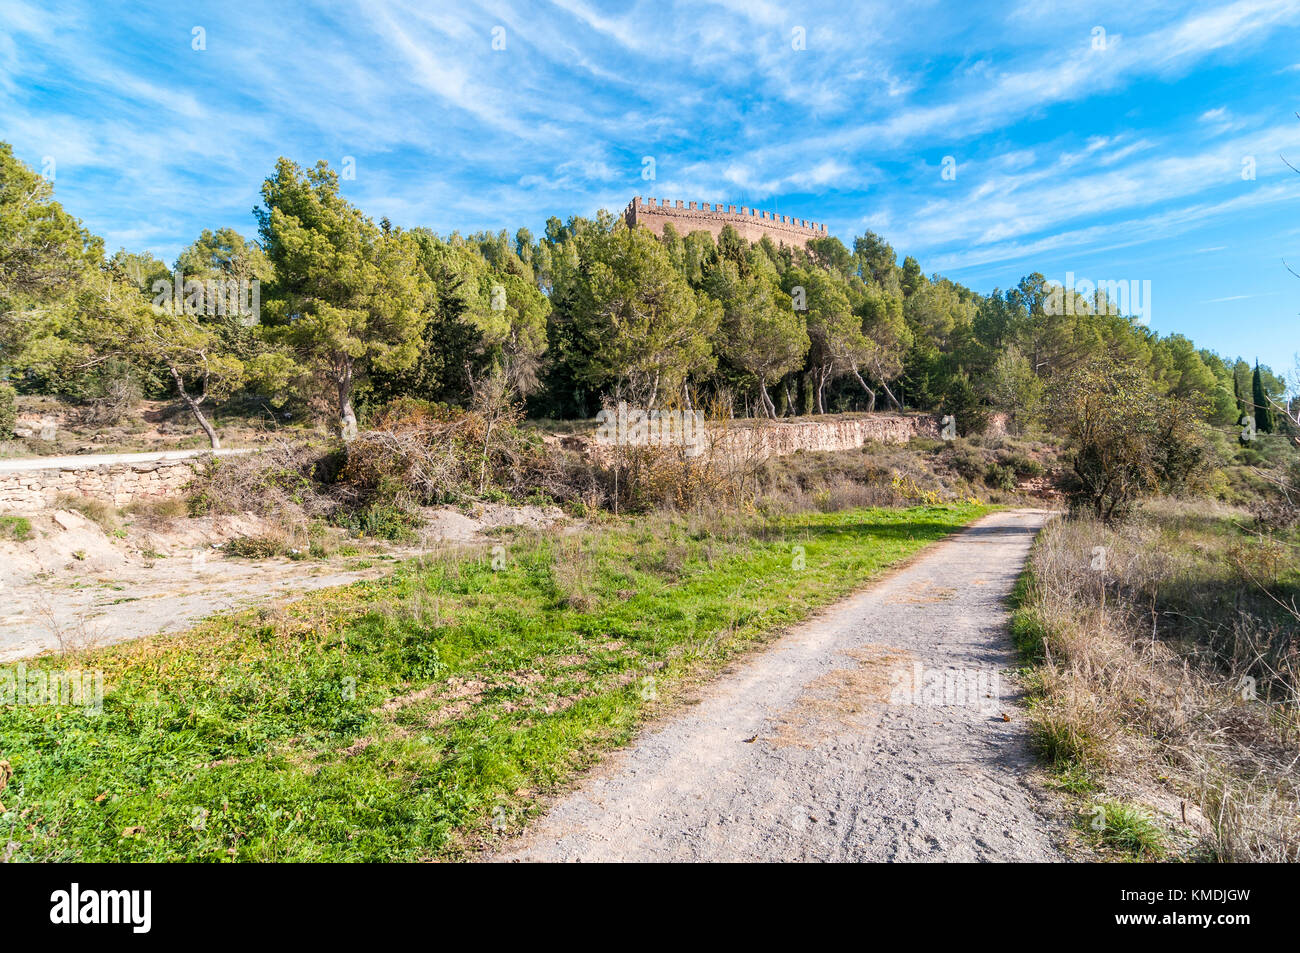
[70, 520]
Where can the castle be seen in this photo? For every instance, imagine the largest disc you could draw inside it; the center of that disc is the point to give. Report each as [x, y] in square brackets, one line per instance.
[750, 223]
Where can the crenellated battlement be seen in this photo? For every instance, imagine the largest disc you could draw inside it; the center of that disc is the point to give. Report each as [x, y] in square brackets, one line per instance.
[750, 223]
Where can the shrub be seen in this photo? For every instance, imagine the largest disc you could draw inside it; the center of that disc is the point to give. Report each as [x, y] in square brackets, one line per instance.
[1129, 830]
[256, 547]
[1000, 477]
[97, 511]
[1023, 465]
[8, 410]
[1127, 438]
[156, 511]
[967, 461]
[111, 395]
[422, 453]
[283, 477]
[383, 520]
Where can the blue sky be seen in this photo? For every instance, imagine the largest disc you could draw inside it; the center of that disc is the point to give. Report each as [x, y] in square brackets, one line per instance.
[1116, 155]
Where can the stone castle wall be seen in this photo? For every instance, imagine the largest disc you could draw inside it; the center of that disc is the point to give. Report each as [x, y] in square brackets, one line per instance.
[750, 223]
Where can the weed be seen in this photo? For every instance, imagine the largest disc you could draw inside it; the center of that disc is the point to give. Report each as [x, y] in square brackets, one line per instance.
[17, 528]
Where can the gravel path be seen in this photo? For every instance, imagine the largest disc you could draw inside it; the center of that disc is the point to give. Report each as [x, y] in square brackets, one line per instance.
[887, 728]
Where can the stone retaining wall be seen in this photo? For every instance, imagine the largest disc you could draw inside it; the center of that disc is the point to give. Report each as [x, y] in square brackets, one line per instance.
[114, 483]
[121, 483]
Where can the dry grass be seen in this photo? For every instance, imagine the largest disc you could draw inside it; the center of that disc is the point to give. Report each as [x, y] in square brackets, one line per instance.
[994, 469]
[283, 479]
[1164, 661]
[156, 513]
[419, 454]
[95, 510]
[75, 636]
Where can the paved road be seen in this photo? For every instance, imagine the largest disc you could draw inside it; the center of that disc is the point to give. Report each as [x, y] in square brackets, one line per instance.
[875, 732]
[88, 460]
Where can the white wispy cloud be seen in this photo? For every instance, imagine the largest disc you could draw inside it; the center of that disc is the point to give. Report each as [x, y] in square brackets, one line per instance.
[446, 131]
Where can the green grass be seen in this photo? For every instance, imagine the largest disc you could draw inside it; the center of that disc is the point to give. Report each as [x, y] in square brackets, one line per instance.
[1129, 831]
[266, 736]
[1026, 628]
[17, 528]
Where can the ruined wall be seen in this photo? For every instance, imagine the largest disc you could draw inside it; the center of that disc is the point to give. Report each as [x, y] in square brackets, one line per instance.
[777, 438]
[750, 223]
[121, 483]
[759, 439]
[114, 483]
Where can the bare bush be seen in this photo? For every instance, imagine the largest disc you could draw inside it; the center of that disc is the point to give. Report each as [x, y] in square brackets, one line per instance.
[1157, 660]
[421, 454]
[716, 464]
[283, 479]
[113, 401]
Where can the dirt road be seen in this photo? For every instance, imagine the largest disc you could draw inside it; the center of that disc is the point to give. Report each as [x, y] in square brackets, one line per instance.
[877, 731]
[99, 610]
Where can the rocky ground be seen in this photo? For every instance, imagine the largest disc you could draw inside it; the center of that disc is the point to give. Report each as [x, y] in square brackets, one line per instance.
[72, 585]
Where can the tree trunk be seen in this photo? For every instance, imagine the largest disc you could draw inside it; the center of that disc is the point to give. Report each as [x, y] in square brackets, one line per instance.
[769, 408]
[890, 394]
[871, 394]
[487, 446]
[194, 409]
[347, 416]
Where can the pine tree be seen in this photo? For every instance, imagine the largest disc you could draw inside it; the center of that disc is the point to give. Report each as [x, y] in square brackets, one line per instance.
[1263, 409]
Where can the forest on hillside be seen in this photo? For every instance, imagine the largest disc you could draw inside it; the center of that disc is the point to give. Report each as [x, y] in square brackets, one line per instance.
[328, 314]
[1156, 623]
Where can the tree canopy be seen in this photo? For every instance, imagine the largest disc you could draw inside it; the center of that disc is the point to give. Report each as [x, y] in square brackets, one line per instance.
[352, 313]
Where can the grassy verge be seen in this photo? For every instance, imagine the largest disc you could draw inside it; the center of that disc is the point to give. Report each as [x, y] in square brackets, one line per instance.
[1163, 671]
[416, 716]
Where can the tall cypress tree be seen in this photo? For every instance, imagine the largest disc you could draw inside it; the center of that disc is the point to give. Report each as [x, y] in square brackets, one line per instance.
[1263, 409]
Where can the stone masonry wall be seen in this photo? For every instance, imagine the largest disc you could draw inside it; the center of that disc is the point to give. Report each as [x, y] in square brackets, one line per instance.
[119, 484]
[750, 223]
[115, 483]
